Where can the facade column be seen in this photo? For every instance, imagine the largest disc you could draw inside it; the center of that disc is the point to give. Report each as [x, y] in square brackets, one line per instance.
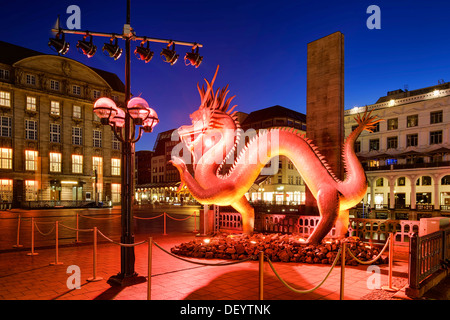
[392, 193]
[412, 200]
[437, 204]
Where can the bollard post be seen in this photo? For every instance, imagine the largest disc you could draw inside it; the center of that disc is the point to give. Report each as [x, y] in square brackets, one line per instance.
[56, 246]
[165, 224]
[76, 240]
[32, 253]
[261, 275]
[17, 245]
[389, 287]
[195, 222]
[94, 276]
[344, 248]
[149, 281]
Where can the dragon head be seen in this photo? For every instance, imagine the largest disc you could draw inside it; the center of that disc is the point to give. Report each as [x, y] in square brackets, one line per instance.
[211, 119]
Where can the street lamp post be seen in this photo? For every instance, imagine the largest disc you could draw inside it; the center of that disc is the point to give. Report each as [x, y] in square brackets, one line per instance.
[123, 122]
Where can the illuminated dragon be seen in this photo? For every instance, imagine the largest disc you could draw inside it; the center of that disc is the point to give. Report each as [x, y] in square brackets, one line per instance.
[214, 137]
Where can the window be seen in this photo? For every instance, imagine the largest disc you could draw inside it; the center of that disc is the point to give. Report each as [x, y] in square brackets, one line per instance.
[31, 79]
[115, 142]
[280, 179]
[374, 145]
[76, 113]
[115, 192]
[31, 130]
[290, 180]
[374, 163]
[97, 164]
[5, 126]
[97, 138]
[77, 163]
[412, 121]
[76, 90]
[54, 85]
[54, 108]
[115, 167]
[31, 160]
[4, 74]
[5, 158]
[426, 181]
[5, 99]
[31, 189]
[55, 161]
[436, 117]
[436, 137]
[401, 181]
[412, 140]
[379, 182]
[357, 146]
[6, 190]
[290, 164]
[376, 128]
[392, 124]
[392, 142]
[31, 103]
[77, 136]
[96, 94]
[55, 132]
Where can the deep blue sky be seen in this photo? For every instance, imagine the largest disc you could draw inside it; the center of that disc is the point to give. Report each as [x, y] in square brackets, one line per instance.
[261, 47]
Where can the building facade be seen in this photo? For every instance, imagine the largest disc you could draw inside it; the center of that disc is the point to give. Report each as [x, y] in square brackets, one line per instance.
[53, 147]
[407, 157]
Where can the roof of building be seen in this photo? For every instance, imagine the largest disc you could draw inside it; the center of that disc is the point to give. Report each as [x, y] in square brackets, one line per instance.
[399, 93]
[11, 53]
[274, 112]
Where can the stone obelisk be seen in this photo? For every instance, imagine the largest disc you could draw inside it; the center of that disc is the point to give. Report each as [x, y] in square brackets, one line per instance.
[325, 103]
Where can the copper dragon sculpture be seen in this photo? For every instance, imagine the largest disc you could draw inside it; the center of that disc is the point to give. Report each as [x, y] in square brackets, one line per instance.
[212, 138]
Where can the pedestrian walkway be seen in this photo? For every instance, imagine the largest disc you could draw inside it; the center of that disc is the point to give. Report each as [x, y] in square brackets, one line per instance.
[33, 278]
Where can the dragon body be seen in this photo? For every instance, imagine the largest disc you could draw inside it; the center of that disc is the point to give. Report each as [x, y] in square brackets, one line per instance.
[212, 139]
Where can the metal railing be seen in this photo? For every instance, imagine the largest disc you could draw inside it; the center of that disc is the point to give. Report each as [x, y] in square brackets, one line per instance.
[428, 254]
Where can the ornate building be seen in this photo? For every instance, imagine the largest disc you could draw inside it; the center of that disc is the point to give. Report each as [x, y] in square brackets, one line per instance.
[407, 157]
[53, 148]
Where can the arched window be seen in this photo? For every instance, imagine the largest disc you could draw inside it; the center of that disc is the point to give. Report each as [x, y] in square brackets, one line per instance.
[445, 181]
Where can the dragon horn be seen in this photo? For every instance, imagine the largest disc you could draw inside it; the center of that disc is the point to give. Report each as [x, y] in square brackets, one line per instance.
[210, 86]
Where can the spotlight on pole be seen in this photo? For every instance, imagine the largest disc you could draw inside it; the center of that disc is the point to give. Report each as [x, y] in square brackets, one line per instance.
[59, 44]
[87, 47]
[169, 55]
[142, 53]
[113, 50]
[193, 58]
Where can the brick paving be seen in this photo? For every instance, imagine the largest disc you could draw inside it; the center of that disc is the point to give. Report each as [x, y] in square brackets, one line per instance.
[24, 277]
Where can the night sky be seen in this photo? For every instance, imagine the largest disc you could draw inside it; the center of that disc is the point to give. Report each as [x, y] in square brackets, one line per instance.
[261, 47]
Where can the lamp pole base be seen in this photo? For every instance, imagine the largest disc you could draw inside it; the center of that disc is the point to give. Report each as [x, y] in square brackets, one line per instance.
[122, 280]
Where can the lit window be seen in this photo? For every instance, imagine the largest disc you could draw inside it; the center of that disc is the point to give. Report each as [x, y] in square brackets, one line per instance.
[97, 164]
[54, 108]
[412, 121]
[77, 136]
[55, 132]
[5, 99]
[76, 112]
[31, 189]
[31, 130]
[31, 103]
[115, 192]
[55, 162]
[31, 160]
[97, 138]
[77, 163]
[115, 167]
[6, 190]
[5, 158]
[392, 124]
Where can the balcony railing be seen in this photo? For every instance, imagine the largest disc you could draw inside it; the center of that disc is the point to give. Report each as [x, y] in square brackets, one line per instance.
[408, 166]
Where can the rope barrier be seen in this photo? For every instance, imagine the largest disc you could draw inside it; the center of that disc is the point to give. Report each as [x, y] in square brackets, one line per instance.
[202, 263]
[373, 260]
[149, 218]
[75, 229]
[96, 218]
[303, 291]
[184, 219]
[44, 234]
[119, 243]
